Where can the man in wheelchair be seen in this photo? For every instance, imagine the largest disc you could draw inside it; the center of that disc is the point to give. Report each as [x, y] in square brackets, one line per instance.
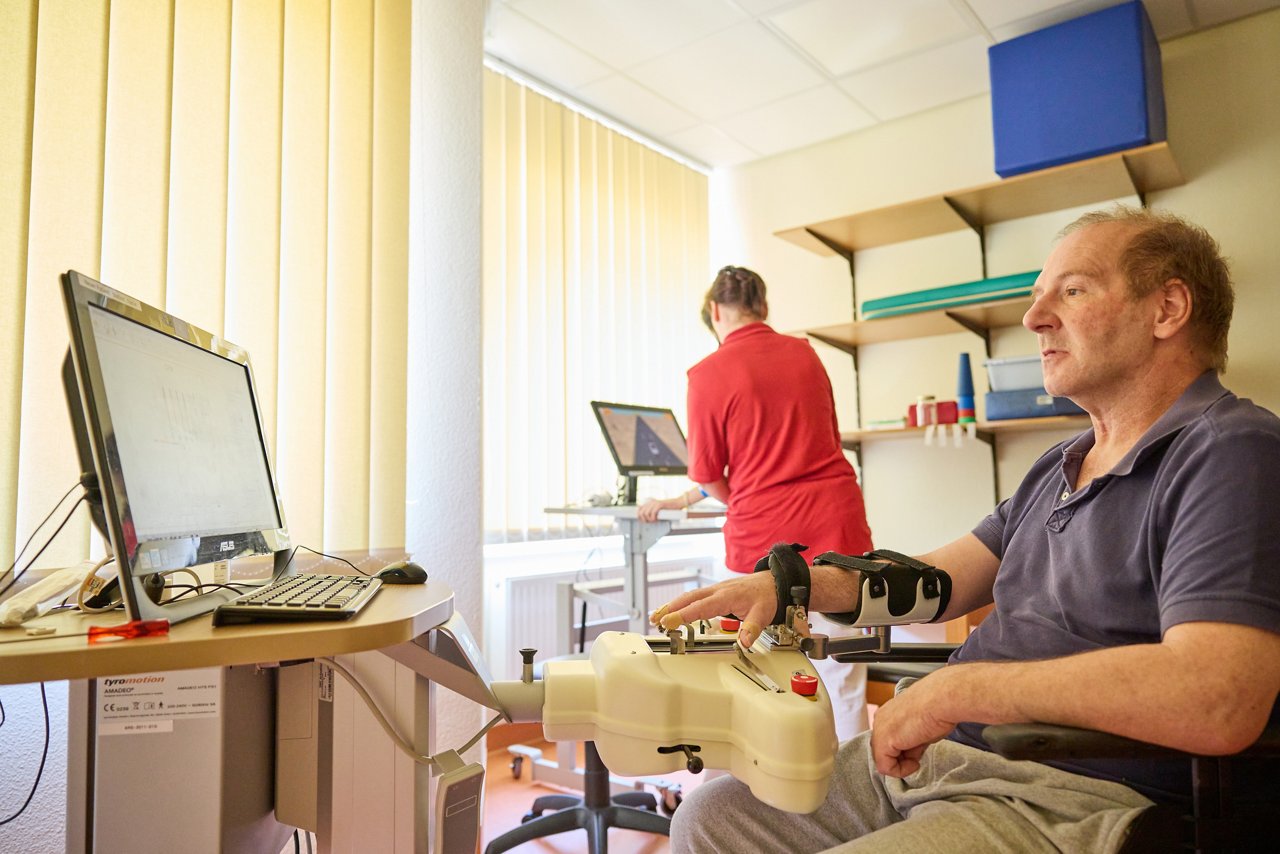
[1135, 575]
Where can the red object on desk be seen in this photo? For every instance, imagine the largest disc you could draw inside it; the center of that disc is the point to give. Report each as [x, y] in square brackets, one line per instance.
[128, 631]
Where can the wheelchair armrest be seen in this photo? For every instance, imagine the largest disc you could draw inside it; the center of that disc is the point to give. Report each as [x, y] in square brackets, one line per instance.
[1050, 741]
[922, 653]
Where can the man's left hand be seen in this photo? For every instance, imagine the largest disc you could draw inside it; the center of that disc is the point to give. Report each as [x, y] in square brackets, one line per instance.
[908, 724]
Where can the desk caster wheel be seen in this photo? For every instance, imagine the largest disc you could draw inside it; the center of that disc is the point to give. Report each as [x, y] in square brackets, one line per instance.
[670, 802]
[517, 765]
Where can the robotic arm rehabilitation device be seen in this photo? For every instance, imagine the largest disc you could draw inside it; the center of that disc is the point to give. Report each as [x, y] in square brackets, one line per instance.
[695, 698]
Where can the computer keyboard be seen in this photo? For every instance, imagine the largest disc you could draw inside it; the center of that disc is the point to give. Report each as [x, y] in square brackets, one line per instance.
[300, 597]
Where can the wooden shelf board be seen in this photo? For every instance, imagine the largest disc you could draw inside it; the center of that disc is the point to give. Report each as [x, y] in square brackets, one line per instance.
[1098, 179]
[1012, 425]
[989, 315]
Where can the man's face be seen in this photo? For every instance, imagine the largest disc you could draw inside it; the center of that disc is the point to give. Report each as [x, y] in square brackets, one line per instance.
[1095, 338]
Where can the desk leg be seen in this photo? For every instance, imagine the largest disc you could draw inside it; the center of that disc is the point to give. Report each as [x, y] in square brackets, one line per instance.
[637, 538]
[421, 784]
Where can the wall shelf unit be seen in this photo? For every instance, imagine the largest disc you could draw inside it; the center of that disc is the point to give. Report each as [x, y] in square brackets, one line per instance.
[979, 318]
[1137, 171]
[986, 432]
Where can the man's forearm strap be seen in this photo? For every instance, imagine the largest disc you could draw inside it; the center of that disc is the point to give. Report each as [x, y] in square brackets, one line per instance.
[789, 571]
[893, 589]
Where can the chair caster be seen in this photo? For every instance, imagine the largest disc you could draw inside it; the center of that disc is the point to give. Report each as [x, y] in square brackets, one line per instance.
[671, 801]
[517, 765]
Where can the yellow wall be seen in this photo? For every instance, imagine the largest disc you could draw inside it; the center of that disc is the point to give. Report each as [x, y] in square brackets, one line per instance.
[1222, 91]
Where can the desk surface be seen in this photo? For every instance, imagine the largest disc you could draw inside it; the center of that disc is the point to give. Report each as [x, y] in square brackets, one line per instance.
[631, 511]
[398, 613]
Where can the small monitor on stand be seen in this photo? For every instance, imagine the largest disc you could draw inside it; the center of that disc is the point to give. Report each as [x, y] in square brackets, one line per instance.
[644, 440]
[171, 444]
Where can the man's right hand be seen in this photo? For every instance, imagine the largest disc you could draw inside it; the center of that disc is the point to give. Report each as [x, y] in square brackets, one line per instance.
[752, 597]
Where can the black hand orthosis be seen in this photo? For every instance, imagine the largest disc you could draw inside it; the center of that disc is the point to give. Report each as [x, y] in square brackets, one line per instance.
[789, 573]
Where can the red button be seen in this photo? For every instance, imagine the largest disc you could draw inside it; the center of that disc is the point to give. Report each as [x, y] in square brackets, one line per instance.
[729, 624]
[804, 684]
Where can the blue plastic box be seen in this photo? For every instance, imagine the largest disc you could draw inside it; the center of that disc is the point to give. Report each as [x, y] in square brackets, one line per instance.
[1027, 403]
[1079, 89]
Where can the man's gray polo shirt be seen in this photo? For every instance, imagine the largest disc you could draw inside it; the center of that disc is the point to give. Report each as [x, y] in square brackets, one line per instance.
[1185, 528]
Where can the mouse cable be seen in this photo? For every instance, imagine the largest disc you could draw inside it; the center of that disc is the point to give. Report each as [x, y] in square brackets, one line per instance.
[44, 698]
[48, 542]
[322, 554]
[399, 740]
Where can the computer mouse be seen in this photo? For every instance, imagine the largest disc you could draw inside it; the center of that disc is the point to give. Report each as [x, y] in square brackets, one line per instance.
[402, 572]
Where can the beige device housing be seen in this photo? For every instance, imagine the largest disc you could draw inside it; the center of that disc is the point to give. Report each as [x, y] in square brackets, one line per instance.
[631, 701]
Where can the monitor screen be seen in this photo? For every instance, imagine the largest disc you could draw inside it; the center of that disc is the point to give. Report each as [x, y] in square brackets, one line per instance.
[170, 419]
[643, 439]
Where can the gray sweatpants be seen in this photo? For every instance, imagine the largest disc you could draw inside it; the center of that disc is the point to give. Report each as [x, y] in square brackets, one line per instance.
[961, 800]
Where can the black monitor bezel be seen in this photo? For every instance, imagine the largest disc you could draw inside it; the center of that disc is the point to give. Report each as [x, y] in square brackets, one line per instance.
[137, 561]
[635, 470]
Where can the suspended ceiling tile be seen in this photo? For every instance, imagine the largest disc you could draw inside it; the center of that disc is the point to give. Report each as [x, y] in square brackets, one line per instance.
[798, 120]
[922, 81]
[623, 33]
[524, 45]
[728, 73]
[847, 35]
[1049, 17]
[759, 7]
[633, 105]
[710, 145]
[998, 13]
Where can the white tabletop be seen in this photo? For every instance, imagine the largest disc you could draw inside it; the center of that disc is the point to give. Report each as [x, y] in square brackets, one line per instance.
[631, 511]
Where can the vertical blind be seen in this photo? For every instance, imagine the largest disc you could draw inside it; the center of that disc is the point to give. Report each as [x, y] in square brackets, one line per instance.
[595, 264]
[244, 165]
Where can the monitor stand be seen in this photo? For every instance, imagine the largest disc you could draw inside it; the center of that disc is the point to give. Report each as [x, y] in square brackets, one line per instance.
[627, 491]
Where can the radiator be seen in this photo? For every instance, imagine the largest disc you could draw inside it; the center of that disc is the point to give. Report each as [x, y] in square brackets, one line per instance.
[521, 611]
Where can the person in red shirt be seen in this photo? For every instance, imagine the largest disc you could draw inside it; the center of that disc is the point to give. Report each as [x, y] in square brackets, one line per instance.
[763, 440]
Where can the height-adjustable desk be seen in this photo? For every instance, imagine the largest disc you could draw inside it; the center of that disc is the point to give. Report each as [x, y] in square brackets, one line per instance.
[637, 538]
[397, 616]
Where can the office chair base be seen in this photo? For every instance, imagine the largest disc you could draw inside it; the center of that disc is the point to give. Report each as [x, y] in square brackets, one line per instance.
[596, 821]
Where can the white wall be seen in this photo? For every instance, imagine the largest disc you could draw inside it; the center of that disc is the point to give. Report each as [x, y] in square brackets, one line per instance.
[1222, 89]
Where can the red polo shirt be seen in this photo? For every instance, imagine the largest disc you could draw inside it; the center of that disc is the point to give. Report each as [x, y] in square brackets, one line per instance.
[761, 414]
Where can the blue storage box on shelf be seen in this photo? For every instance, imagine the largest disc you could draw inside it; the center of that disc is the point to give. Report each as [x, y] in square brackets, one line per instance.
[950, 296]
[1027, 403]
[1079, 89]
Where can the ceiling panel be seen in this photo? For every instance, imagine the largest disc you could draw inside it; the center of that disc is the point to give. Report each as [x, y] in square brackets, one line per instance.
[797, 121]
[623, 33]
[846, 35]
[635, 106]
[525, 45]
[709, 144]
[728, 81]
[922, 81]
[729, 72]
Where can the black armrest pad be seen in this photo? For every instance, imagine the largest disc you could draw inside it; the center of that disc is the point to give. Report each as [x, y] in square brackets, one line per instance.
[924, 653]
[1049, 741]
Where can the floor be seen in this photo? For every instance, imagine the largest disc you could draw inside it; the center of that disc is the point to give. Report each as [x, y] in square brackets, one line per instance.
[508, 798]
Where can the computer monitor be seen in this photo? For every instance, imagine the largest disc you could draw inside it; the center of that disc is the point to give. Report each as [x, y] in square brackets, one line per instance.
[644, 440]
[167, 419]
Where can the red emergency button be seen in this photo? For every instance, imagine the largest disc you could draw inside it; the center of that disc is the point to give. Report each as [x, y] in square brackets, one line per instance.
[804, 684]
[729, 624]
